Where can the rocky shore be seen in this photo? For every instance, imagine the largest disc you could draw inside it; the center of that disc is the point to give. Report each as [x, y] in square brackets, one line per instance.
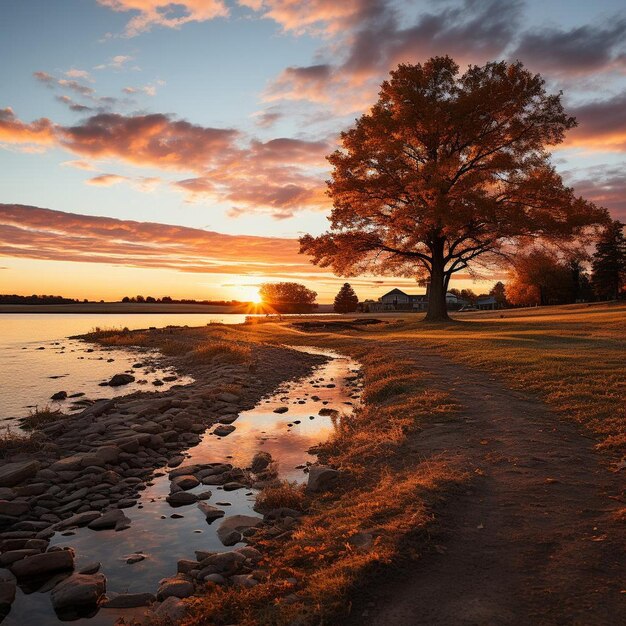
[90, 466]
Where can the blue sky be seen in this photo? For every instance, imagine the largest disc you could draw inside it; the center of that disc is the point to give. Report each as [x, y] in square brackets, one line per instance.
[283, 78]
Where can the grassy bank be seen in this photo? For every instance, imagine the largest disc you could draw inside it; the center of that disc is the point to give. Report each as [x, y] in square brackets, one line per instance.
[388, 496]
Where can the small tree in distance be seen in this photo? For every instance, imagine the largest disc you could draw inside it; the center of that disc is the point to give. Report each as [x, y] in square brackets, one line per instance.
[288, 297]
[346, 301]
[446, 170]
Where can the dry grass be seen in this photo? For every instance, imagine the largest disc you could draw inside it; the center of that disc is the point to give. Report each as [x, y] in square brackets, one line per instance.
[222, 352]
[12, 442]
[39, 417]
[282, 494]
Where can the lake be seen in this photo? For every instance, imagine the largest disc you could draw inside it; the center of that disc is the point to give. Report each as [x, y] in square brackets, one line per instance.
[37, 359]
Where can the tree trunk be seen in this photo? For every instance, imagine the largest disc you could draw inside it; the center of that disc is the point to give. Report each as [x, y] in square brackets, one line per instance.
[437, 304]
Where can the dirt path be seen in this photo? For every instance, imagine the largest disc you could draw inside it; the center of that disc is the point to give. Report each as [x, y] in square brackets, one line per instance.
[535, 540]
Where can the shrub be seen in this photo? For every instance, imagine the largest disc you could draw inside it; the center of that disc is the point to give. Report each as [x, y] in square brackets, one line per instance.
[39, 417]
[222, 351]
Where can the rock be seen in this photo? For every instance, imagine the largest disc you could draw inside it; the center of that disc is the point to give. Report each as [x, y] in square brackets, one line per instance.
[135, 558]
[210, 512]
[321, 478]
[230, 398]
[90, 568]
[111, 519]
[174, 587]
[45, 563]
[59, 395]
[79, 519]
[172, 610]
[233, 486]
[281, 409]
[236, 524]
[243, 580]
[260, 462]
[216, 579]
[328, 412]
[79, 590]
[13, 474]
[223, 429]
[7, 593]
[250, 553]
[223, 563]
[129, 601]
[108, 454]
[228, 418]
[12, 556]
[181, 498]
[186, 481]
[13, 508]
[121, 379]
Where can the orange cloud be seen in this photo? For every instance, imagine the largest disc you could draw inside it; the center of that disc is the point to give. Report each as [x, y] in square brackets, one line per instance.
[106, 180]
[40, 132]
[166, 13]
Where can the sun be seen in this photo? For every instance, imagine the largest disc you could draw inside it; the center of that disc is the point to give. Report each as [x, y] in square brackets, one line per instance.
[256, 298]
[249, 294]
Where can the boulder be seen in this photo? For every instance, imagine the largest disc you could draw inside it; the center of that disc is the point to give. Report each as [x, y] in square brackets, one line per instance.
[321, 478]
[223, 563]
[13, 508]
[223, 429]
[79, 519]
[79, 590]
[236, 524]
[171, 610]
[174, 587]
[230, 398]
[281, 409]
[260, 462]
[181, 498]
[13, 474]
[185, 481]
[59, 395]
[121, 379]
[210, 512]
[45, 563]
[111, 519]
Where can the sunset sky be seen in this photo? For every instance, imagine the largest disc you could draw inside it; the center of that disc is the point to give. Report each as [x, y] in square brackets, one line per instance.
[179, 149]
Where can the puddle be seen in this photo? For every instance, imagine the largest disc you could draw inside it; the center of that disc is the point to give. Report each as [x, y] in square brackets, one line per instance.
[163, 539]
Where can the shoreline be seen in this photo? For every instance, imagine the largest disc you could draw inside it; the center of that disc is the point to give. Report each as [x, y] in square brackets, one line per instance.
[131, 308]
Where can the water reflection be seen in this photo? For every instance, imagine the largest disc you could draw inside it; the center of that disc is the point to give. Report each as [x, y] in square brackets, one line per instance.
[163, 539]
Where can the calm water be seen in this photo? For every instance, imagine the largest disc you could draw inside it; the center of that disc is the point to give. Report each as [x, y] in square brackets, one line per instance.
[37, 360]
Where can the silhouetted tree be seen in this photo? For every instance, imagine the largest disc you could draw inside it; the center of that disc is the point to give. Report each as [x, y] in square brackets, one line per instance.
[609, 262]
[346, 301]
[125, 299]
[446, 169]
[139, 299]
[288, 297]
[498, 292]
[150, 299]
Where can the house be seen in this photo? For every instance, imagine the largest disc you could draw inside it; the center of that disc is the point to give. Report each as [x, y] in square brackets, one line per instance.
[398, 300]
[487, 303]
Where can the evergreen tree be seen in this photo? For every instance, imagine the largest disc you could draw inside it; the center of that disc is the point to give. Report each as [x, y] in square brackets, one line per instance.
[346, 301]
[609, 262]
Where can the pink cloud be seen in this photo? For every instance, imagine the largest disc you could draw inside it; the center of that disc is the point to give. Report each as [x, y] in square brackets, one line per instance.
[166, 13]
[106, 180]
[40, 132]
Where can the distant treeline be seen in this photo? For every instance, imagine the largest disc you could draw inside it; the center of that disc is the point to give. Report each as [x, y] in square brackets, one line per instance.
[168, 300]
[15, 299]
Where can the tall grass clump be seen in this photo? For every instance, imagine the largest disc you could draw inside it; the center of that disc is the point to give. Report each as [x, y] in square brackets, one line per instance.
[40, 417]
[12, 442]
[221, 351]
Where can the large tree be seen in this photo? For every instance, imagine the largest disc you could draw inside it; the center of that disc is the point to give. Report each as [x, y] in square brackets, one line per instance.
[288, 297]
[609, 262]
[446, 170]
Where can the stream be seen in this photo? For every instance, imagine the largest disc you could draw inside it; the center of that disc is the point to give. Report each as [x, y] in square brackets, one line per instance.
[163, 534]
